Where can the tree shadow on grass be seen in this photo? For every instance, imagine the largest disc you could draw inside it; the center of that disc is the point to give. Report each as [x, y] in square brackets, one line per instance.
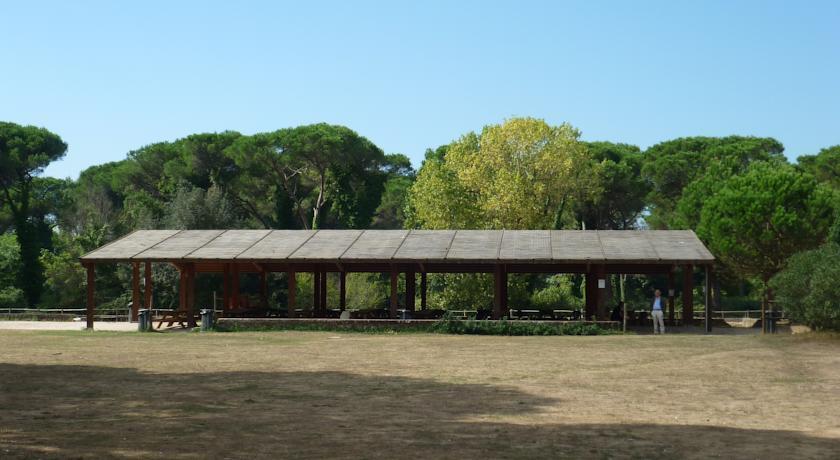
[96, 412]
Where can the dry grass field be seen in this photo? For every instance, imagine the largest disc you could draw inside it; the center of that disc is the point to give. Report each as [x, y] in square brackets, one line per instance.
[326, 395]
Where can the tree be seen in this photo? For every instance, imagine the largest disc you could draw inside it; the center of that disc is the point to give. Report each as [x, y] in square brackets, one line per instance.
[193, 208]
[757, 220]
[621, 200]
[322, 149]
[808, 289]
[671, 166]
[10, 294]
[438, 200]
[390, 213]
[825, 165]
[316, 166]
[24, 153]
[520, 174]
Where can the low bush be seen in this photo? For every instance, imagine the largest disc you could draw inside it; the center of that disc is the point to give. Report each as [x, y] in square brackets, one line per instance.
[449, 325]
[808, 288]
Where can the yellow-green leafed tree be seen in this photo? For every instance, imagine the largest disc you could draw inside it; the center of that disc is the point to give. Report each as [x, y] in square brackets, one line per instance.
[521, 174]
[438, 200]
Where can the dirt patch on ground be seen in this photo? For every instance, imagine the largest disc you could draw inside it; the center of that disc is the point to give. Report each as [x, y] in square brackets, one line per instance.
[317, 395]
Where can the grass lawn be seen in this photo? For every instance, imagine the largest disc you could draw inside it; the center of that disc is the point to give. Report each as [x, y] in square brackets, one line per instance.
[321, 394]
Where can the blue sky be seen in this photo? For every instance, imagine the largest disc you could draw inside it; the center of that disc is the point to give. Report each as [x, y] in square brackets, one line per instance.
[110, 77]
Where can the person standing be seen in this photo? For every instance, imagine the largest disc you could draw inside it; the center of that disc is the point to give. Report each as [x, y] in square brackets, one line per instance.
[658, 317]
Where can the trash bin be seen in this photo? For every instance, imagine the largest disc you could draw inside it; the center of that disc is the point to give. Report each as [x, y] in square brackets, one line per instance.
[144, 320]
[206, 320]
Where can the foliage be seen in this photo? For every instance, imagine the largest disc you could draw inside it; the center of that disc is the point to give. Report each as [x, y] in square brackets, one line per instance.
[824, 166]
[193, 208]
[671, 166]
[438, 200]
[460, 291]
[316, 167]
[759, 219]
[808, 289]
[449, 325]
[559, 292]
[517, 175]
[10, 294]
[24, 153]
[65, 278]
[620, 202]
[365, 290]
[391, 210]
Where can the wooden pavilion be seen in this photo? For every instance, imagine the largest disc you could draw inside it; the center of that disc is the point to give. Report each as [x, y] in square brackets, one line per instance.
[594, 253]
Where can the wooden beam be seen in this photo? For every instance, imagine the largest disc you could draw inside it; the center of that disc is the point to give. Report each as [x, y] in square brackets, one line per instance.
[263, 290]
[497, 292]
[91, 290]
[316, 293]
[226, 288]
[234, 287]
[323, 296]
[190, 295]
[671, 298]
[590, 309]
[182, 289]
[410, 290]
[708, 314]
[342, 290]
[601, 293]
[504, 291]
[148, 287]
[135, 290]
[291, 298]
[688, 294]
[393, 306]
[423, 290]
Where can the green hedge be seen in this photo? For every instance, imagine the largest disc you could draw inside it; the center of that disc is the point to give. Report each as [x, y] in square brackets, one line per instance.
[504, 327]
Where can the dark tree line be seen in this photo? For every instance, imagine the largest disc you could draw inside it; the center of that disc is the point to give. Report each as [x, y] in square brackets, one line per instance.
[325, 176]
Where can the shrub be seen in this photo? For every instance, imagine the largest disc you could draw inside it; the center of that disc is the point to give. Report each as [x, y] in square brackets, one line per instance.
[449, 325]
[808, 288]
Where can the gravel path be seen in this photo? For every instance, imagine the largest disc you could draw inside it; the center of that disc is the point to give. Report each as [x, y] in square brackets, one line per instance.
[65, 326]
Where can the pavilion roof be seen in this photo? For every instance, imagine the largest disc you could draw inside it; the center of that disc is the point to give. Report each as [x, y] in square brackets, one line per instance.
[408, 246]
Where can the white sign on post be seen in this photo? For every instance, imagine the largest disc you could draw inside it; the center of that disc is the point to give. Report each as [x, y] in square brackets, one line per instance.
[602, 284]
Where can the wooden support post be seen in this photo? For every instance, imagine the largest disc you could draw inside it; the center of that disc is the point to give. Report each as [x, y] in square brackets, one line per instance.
[497, 292]
[671, 298]
[291, 298]
[708, 314]
[91, 289]
[394, 281]
[410, 289]
[182, 289]
[148, 287]
[234, 287]
[688, 295]
[225, 287]
[342, 290]
[263, 289]
[323, 296]
[422, 290]
[316, 293]
[135, 290]
[504, 286]
[190, 295]
[601, 293]
[590, 290]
